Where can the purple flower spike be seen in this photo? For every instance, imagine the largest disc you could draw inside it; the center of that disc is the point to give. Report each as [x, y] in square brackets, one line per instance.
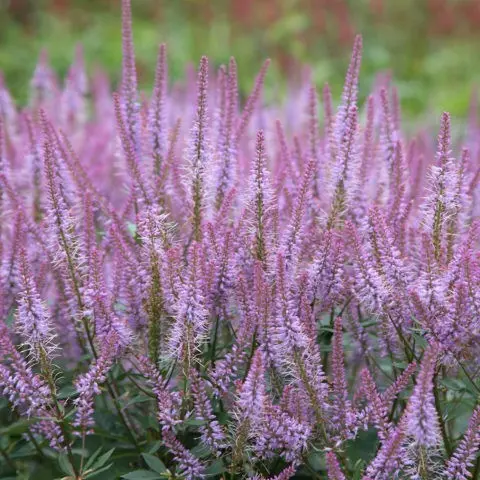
[33, 321]
[88, 384]
[252, 393]
[333, 467]
[386, 464]
[198, 154]
[188, 465]
[157, 122]
[212, 433]
[130, 106]
[458, 466]
[422, 418]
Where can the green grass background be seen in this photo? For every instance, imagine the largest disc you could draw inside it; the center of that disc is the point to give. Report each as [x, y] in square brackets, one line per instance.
[435, 66]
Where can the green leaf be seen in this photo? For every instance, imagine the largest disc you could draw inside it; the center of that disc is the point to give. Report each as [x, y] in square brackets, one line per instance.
[201, 451]
[149, 422]
[358, 470]
[193, 422]
[154, 448]
[141, 475]
[154, 463]
[138, 399]
[454, 384]
[18, 427]
[100, 470]
[48, 452]
[71, 413]
[216, 468]
[26, 450]
[4, 442]
[93, 458]
[223, 418]
[67, 392]
[65, 465]
[102, 460]
[83, 452]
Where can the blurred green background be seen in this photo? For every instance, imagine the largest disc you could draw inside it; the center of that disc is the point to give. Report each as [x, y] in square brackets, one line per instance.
[430, 46]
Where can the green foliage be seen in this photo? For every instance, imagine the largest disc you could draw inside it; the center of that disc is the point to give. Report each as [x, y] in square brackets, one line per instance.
[154, 463]
[141, 475]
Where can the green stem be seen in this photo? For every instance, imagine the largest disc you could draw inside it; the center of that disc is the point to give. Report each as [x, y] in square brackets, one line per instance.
[380, 369]
[446, 440]
[124, 419]
[329, 341]
[122, 416]
[82, 459]
[476, 472]
[137, 385]
[155, 310]
[239, 446]
[304, 378]
[409, 351]
[214, 342]
[470, 379]
[46, 369]
[423, 464]
[7, 459]
[252, 352]
[314, 473]
[35, 444]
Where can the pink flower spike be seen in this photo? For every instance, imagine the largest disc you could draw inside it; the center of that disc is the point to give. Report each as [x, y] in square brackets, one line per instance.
[157, 121]
[333, 467]
[33, 320]
[188, 466]
[198, 154]
[459, 464]
[130, 105]
[252, 393]
[422, 419]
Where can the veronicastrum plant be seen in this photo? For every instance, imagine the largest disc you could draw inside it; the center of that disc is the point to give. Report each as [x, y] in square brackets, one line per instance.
[193, 287]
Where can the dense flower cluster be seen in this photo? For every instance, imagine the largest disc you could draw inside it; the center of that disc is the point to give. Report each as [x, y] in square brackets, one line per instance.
[241, 296]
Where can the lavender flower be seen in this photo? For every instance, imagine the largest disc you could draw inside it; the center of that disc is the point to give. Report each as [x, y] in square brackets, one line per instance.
[251, 103]
[287, 333]
[212, 433]
[388, 461]
[342, 413]
[88, 384]
[440, 204]
[33, 321]
[188, 466]
[458, 465]
[333, 467]
[252, 395]
[198, 154]
[129, 77]
[26, 391]
[158, 115]
[189, 328]
[261, 201]
[168, 403]
[422, 418]
[226, 154]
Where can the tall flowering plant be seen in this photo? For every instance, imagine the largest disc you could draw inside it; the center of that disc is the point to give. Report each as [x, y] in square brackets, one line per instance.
[195, 288]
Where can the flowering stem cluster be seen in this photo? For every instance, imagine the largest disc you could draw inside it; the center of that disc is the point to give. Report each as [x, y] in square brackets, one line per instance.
[213, 292]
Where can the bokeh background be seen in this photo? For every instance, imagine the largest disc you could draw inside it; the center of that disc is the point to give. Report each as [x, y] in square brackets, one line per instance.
[430, 46]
